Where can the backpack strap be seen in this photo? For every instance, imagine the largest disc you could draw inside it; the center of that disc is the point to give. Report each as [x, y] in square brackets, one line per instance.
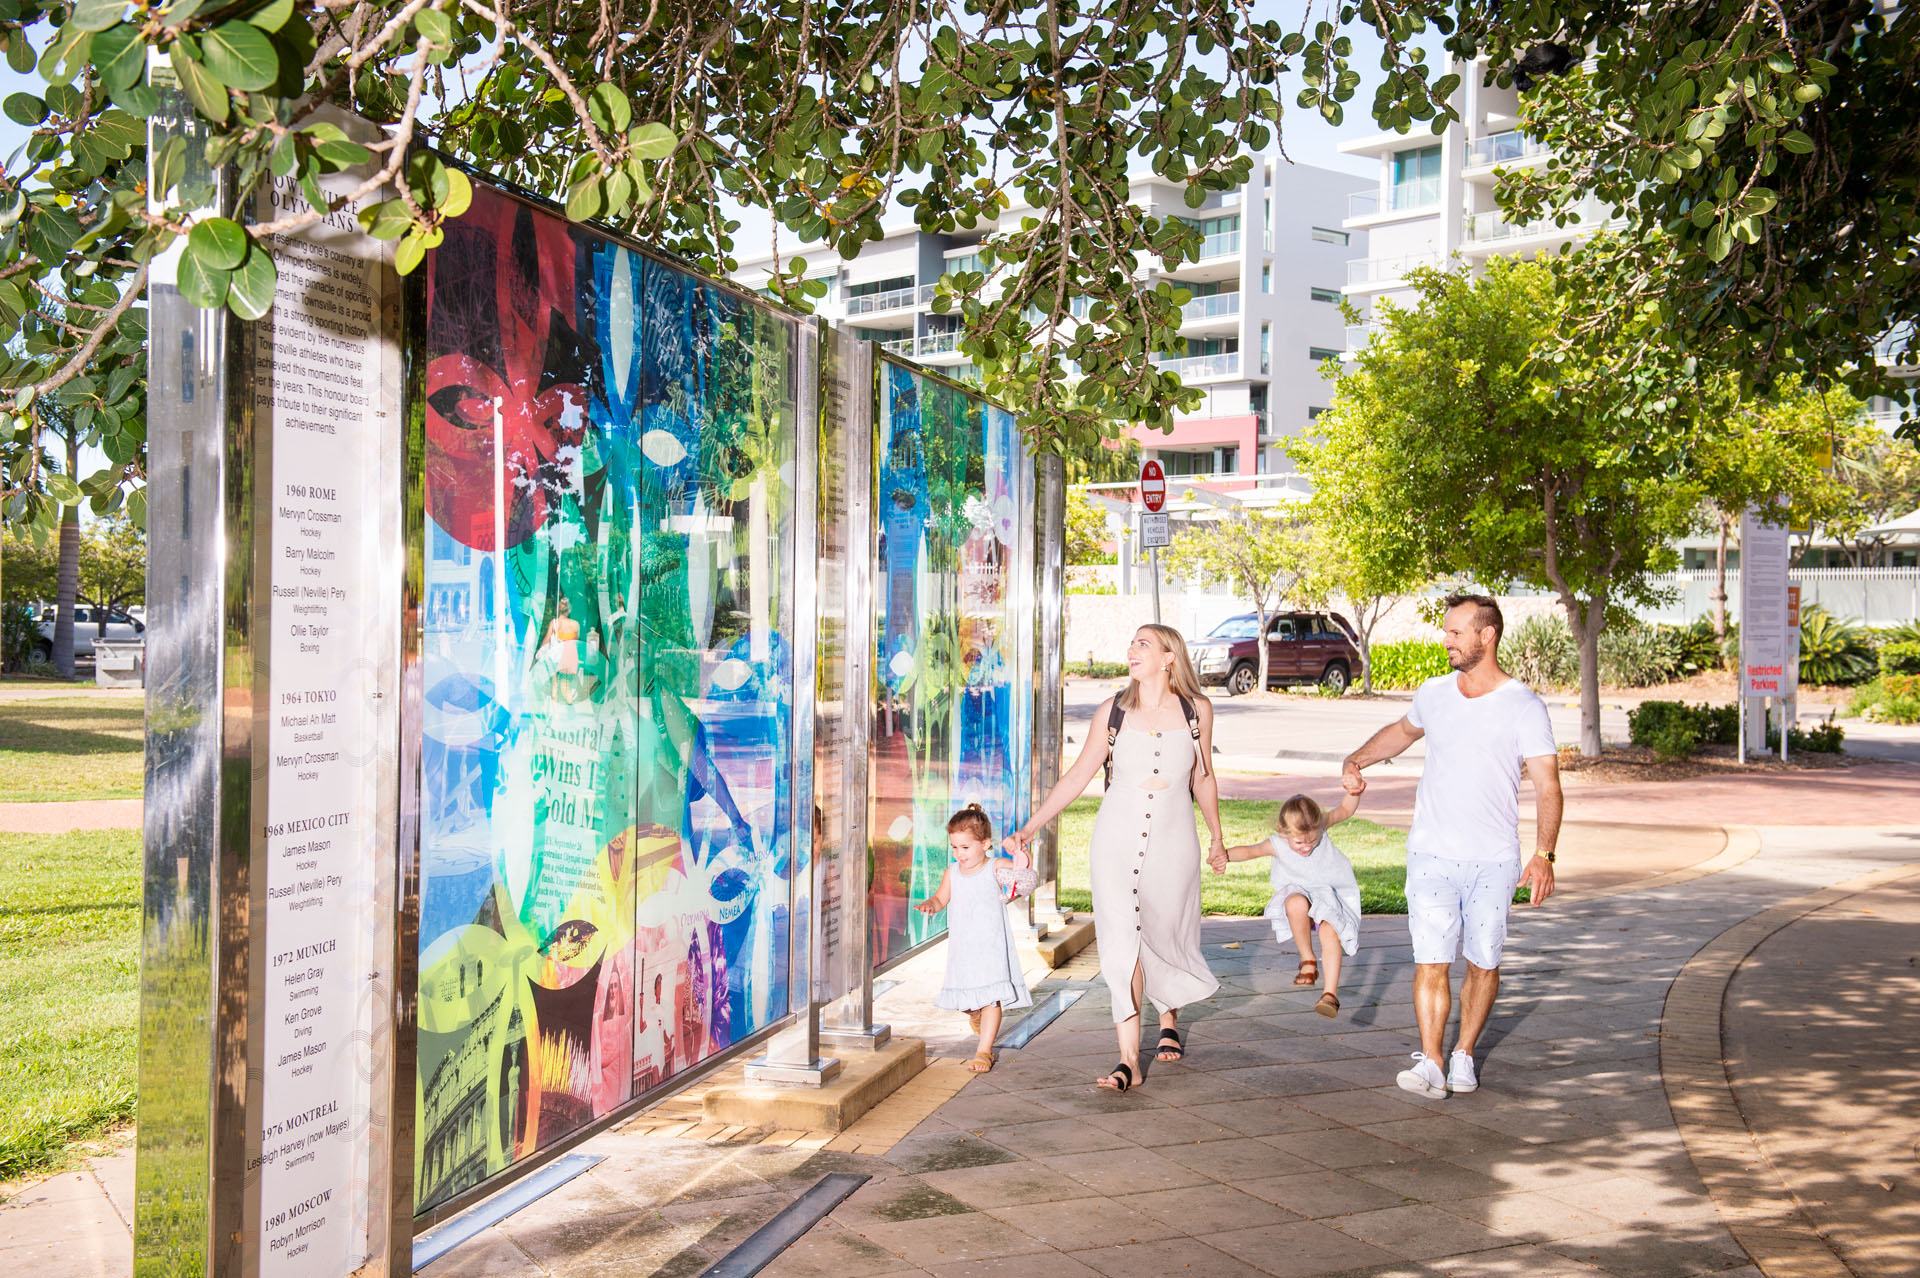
[1114, 719]
[1193, 730]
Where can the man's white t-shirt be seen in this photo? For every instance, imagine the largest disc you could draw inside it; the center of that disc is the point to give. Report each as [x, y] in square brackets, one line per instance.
[1468, 804]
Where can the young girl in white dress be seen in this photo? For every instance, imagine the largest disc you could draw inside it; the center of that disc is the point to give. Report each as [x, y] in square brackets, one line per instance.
[1313, 890]
[983, 967]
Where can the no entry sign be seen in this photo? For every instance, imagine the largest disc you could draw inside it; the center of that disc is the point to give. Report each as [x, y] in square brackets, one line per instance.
[1153, 486]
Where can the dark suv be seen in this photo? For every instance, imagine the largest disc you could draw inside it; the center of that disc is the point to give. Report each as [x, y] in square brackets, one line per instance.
[1302, 647]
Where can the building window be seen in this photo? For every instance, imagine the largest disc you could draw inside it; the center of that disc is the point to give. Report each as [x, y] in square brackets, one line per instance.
[1257, 403]
[1266, 348]
[1269, 224]
[1266, 279]
[880, 286]
[1416, 178]
[1319, 354]
[1314, 413]
[1324, 294]
[1327, 235]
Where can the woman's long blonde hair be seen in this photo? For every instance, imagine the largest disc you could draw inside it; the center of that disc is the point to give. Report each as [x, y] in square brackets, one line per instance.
[1180, 677]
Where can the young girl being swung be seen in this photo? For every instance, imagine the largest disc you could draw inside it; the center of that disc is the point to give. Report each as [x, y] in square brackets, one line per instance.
[1313, 889]
[983, 966]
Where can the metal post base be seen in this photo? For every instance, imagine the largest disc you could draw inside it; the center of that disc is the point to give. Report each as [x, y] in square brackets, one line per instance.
[822, 1071]
[871, 1039]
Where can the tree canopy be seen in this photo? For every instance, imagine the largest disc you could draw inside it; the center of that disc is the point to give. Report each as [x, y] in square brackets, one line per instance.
[1766, 155]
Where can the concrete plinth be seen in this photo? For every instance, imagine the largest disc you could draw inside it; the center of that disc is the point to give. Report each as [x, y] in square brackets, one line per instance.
[1064, 940]
[866, 1079]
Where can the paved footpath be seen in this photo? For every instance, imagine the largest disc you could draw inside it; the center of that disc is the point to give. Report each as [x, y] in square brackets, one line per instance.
[1281, 1147]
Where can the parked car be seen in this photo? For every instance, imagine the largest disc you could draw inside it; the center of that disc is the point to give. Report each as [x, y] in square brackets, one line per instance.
[1302, 647]
[120, 629]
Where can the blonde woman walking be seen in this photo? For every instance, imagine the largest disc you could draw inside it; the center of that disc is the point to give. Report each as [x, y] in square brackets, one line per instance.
[1145, 851]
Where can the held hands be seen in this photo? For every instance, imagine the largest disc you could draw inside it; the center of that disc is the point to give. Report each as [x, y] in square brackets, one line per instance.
[1351, 780]
[1016, 847]
[1217, 858]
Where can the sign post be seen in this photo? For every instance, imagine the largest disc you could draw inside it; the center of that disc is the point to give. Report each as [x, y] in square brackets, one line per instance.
[1765, 648]
[1153, 524]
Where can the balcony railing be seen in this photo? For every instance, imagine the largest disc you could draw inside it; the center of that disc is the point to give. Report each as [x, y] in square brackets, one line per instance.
[1405, 197]
[1490, 227]
[1220, 244]
[1378, 270]
[1358, 335]
[921, 347]
[1504, 148]
[1211, 307]
[899, 298]
[1190, 367]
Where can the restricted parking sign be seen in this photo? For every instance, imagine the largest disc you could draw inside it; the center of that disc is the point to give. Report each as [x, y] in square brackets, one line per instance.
[1153, 486]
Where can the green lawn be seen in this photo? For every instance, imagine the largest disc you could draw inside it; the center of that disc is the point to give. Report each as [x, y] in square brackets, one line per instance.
[70, 748]
[69, 989]
[1379, 857]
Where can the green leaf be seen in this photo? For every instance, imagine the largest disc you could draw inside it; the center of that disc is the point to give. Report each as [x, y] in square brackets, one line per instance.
[137, 507]
[200, 285]
[25, 109]
[285, 157]
[586, 200]
[65, 54]
[343, 155]
[410, 253]
[218, 242]
[1196, 196]
[427, 176]
[434, 25]
[140, 100]
[20, 54]
[169, 162]
[119, 55]
[270, 16]
[387, 220]
[63, 490]
[1797, 142]
[653, 141]
[250, 293]
[95, 15]
[459, 197]
[208, 95]
[240, 57]
[609, 108]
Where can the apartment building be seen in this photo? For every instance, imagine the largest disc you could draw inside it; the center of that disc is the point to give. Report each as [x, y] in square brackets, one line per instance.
[1264, 318]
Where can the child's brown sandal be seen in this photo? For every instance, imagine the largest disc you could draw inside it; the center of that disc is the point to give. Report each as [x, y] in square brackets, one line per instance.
[981, 1062]
[1329, 1005]
[1309, 973]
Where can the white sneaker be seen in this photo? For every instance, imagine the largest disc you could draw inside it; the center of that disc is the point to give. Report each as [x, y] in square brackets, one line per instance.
[1460, 1075]
[1424, 1079]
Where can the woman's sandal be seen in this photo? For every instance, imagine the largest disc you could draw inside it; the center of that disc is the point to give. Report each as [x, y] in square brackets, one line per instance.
[981, 1063]
[1329, 1005]
[1170, 1048]
[1309, 973]
[1121, 1076]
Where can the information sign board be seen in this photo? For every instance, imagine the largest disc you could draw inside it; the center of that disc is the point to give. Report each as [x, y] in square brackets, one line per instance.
[1764, 624]
[1155, 531]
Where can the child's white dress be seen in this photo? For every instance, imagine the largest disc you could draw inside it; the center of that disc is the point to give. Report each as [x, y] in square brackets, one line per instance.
[1325, 878]
[983, 967]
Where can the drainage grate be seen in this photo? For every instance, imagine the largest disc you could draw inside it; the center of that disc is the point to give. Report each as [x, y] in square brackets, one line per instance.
[1043, 1015]
[783, 1231]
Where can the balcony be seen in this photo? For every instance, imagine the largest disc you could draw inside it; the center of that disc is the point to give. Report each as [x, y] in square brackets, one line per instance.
[898, 299]
[1493, 227]
[1220, 244]
[1358, 335]
[1407, 197]
[1509, 147]
[923, 347]
[1194, 367]
[1216, 306]
[1382, 270]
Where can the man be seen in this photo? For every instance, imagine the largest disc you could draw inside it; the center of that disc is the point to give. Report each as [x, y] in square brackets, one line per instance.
[1482, 728]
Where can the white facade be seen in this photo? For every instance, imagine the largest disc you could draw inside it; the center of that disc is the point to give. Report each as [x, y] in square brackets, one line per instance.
[1265, 315]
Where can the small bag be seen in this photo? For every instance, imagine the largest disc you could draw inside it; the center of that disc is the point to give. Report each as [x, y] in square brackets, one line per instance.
[1117, 716]
[1017, 880]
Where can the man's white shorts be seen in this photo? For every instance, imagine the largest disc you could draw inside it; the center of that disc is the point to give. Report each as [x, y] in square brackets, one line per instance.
[1459, 907]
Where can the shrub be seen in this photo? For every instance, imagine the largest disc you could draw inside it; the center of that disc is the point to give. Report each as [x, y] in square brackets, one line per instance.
[1821, 738]
[1833, 650]
[1540, 653]
[19, 637]
[1892, 698]
[1900, 656]
[1675, 738]
[1407, 663]
[1638, 655]
[1098, 669]
[1699, 647]
[1651, 721]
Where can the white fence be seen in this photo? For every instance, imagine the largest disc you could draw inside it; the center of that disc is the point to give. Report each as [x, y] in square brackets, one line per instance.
[1872, 596]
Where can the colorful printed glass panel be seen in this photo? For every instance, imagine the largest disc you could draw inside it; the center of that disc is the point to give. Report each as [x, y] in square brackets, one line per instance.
[952, 718]
[605, 842]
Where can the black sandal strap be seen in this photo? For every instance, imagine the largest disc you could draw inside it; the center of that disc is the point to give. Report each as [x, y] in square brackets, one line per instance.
[1115, 1073]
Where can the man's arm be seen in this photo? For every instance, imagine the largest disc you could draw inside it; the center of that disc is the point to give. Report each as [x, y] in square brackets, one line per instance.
[1381, 746]
[1549, 805]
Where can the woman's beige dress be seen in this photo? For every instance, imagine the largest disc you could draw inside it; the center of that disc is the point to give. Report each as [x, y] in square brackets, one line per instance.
[1146, 874]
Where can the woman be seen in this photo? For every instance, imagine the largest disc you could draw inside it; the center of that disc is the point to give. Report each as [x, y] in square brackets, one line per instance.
[1146, 855]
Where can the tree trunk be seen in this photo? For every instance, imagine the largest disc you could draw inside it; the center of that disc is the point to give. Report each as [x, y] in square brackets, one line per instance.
[1586, 620]
[68, 589]
[1720, 579]
[1265, 649]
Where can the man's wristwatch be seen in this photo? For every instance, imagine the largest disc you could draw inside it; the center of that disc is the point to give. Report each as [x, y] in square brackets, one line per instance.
[1547, 854]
